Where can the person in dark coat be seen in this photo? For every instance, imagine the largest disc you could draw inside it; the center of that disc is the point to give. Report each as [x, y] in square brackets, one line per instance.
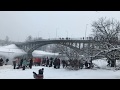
[55, 63]
[63, 63]
[51, 62]
[91, 64]
[31, 63]
[108, 63]
[86, 64]
[21, 61]
[7, 61]
[14, 64]
[1, 62]
[40, 71]
[58, 63]
[39, 75]
[112, 63]
[47, 62]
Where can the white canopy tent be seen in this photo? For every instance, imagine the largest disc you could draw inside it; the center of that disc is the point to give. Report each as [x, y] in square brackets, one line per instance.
[11, 51]
[38, 53]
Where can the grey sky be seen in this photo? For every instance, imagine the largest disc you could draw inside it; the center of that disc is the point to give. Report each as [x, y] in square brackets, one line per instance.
[17, 25]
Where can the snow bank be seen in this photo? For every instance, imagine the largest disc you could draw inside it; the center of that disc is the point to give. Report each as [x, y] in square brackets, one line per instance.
[103, 63]
[100, 62]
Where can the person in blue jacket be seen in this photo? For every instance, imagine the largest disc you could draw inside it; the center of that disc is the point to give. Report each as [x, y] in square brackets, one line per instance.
[24, 64]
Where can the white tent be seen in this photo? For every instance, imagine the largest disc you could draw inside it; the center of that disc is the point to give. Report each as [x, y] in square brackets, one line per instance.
[11, 51]
[39, 53]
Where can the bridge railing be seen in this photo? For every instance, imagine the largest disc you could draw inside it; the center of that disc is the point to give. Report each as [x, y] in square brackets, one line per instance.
[67, 38]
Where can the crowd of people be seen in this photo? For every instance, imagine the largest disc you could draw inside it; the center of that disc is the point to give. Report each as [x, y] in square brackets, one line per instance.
[51, 62]
[77, 64]
[48, 62]
[57, 62]
[22, 63]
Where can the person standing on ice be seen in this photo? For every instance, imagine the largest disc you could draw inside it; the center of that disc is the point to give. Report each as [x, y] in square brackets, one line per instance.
[18, 63]
[47, 62]
[55, 63]
[21, 61]
[14, 63]
[7, 61]
[86, 64]
[63, 63]
[58, 63]
[1, 62]
[24, 64]
[51, 62]
[31, 63]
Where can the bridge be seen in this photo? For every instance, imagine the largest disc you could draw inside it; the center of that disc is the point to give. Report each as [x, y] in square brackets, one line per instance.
[79, 45]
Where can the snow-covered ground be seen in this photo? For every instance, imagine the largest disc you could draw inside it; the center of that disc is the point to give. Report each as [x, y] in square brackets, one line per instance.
[7, 72]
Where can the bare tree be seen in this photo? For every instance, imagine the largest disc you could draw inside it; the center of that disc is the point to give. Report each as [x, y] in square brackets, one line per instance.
[7, 40]
[107, 30]
[29, 38]
[73, 56]
[70, 53]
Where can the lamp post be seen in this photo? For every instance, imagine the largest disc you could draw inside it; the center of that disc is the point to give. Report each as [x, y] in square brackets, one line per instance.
[86, 31]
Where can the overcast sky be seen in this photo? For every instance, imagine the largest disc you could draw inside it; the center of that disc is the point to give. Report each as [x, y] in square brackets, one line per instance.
[17, 25]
